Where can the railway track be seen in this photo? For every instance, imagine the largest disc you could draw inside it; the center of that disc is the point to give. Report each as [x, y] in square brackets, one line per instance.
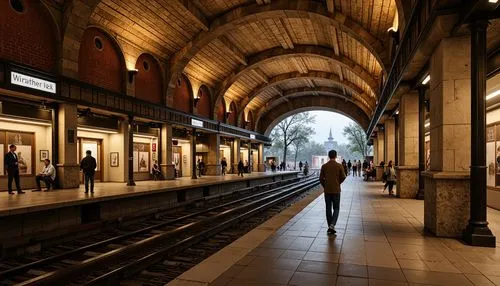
[107, 260]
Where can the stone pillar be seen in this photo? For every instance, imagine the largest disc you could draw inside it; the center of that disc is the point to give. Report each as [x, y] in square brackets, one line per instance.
[390, 141]
[380, 153]
[408, 146]
[422, 109]
[68, 168]
[130, 154]
[212, 165]
[375, 150]
[235, 154]
[261, 167]
[249, 159]
[167, 167]
[447, 182]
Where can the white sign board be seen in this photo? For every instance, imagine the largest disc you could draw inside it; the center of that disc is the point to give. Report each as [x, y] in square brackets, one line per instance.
[196, 123]
[252, 136]
[32, 82]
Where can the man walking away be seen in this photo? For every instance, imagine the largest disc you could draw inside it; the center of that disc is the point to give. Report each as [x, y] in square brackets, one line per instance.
[12, 166]
[240, 168]
[47, 175]
[301, 165]
[223, 163]
[88, 166]
[349, 165]
[331, 176]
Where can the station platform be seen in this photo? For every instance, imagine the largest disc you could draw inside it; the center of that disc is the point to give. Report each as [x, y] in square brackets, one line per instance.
[29, 219]
[379, 241]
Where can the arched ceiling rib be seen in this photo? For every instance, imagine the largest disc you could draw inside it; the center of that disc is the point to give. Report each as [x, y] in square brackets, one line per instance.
[260, 59]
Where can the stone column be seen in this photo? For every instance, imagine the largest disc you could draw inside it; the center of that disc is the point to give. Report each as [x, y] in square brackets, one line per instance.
[447, 182]
[421, 141]
[249, 159]
[130, 156]
[68, 168]
[390, 141]
[375, 150]
[235, 154]
[477, 232]
[262, 167]
[408, 146]
[380, 153]
[167, 168]
[213, 166]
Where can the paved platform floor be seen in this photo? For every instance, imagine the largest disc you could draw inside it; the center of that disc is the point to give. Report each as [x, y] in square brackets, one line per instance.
[14, 204]
[380, 241]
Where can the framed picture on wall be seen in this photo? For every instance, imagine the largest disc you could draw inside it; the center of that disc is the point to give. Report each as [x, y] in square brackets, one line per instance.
[44, 154]
[113, 159]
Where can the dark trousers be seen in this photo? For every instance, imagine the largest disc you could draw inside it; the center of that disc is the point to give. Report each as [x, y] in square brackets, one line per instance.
[47, 180]
[332, 201]
[13, 176]
[390, 184]
[89, 180]
[240, 172]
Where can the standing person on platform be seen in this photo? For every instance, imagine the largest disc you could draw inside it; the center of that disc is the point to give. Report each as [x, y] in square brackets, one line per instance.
[390, 177]
[223, 164]
[331, 176]
[354, 169]
[273, 166]
[88, 166]
[241, 168]
[301, 165]
[48, 175]
[359, 168]
[349, 166]
[344, 165]
[12, 166]
[156, 171]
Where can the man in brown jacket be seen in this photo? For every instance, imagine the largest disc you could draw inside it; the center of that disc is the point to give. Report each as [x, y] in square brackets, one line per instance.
[331, 176]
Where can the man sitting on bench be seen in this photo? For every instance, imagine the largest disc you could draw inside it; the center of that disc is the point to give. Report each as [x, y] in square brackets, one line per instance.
[48, 175]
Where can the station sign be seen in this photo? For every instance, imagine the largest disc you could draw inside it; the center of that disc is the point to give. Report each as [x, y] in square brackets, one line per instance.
[252, 136]
[196, 123]
[32, 82]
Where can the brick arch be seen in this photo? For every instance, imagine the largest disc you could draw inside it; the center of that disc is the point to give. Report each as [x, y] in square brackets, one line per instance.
[29, 38]
[183, 95]
[233, 117]
[220, 110]
[203, 107]
[104, 68]
[148, 82]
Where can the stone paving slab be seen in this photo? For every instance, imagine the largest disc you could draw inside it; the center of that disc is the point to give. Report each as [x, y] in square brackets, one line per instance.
[380, 241]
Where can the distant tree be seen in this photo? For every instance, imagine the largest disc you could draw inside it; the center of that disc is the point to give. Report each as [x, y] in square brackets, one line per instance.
[291, 129]
[298, 146]
[357, 139]
[312, 148]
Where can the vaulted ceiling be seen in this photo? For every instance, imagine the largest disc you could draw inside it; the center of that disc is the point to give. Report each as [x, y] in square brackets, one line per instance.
[261, 53]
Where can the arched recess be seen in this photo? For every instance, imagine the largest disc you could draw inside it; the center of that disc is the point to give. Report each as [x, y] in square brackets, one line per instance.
[148, 81]
[29, 35]
[268, 120]
[250, 122]
[101, 61]
[220, 114]
[183, 95]
[203, 107]
[232, 118]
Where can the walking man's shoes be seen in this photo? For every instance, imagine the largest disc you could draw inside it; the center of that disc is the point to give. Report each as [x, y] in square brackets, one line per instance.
[331, 231]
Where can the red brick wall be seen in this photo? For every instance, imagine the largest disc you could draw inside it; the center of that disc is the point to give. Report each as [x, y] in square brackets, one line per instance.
[233, 116]
[29, 37]
[221, 111]
[104, 67]
[182, 95]
[148, 83]
[203, 106]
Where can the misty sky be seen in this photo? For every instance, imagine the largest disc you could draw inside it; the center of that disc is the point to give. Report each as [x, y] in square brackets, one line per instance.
[325, 120]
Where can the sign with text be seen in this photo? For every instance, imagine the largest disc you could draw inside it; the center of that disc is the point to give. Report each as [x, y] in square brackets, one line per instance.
[196, 122]
[32, 82]
[252, 136]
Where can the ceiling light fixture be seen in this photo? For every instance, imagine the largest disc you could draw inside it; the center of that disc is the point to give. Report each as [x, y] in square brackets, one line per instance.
[426, 79]
[427, 124]
[493, 1]
[493, 95]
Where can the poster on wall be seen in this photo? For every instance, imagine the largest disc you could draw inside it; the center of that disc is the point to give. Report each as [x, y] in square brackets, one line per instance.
[24, 159]
[136, 161]
[92, 147]
[490, 163]
[143, 161]
[2, 172]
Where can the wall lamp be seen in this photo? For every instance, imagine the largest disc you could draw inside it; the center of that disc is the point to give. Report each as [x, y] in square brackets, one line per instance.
[426, 79]
[131, 74]
[196, 100]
